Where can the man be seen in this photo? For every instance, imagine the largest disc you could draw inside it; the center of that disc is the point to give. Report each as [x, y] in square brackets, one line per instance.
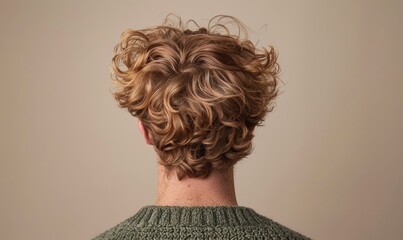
[198, 96]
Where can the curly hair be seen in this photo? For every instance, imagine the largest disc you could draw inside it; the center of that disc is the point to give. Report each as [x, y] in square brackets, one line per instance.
[199, 93]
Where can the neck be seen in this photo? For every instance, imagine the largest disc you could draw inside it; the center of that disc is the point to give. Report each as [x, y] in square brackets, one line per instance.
[215, 190]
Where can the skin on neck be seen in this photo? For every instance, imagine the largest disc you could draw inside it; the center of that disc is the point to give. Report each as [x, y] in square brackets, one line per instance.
[216, 190]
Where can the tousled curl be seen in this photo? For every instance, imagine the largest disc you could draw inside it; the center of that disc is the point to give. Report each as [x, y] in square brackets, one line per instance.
[200, 93]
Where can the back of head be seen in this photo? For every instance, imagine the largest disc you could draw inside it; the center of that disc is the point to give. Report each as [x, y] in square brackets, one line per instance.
[200, 93]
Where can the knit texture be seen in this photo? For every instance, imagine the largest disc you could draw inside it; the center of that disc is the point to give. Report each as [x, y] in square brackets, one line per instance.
[198, 222]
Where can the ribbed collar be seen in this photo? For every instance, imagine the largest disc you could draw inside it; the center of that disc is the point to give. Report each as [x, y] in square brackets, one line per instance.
[196, 216]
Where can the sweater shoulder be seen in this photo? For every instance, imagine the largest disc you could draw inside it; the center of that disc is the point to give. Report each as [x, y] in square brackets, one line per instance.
[123, 230]
[281, 231]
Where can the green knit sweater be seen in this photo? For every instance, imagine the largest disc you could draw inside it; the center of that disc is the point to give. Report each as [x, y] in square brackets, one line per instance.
[198, 222]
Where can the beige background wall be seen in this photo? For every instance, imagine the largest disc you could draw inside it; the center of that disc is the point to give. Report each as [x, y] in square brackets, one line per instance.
[328, 163]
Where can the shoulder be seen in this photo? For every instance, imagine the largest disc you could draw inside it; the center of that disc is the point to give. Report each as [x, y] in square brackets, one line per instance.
[119, 231]
[280, 231]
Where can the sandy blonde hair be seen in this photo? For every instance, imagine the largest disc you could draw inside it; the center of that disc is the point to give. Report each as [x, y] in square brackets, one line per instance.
[200, 93]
